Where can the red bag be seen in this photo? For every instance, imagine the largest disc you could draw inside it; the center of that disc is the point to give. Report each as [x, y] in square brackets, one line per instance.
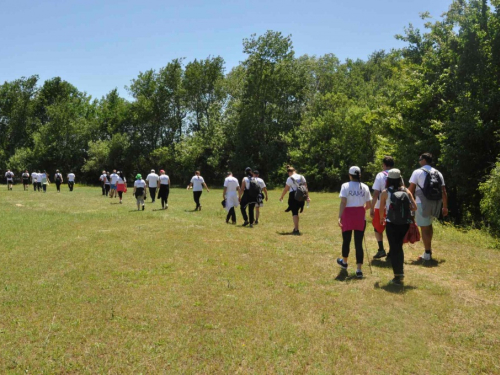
[413, 234]
[121, 187]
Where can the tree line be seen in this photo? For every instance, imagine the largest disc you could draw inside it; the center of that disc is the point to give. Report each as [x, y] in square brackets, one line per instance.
[438, 94]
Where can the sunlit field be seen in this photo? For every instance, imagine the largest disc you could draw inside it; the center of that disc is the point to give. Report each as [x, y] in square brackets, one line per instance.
[91, 286]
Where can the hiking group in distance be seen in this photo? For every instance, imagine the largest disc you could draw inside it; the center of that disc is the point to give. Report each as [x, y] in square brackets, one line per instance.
[396, 209]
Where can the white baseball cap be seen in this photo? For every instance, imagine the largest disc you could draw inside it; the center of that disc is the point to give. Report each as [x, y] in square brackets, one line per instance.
[394, 173]
[354, 170]
[152, 171]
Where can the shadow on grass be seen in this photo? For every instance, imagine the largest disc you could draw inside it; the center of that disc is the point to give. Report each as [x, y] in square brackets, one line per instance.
[158, 209]
[427, 263]
[343, 275]
[380, 263]
[396, 289]
[288, 234]
[135, 210]
[195, 210]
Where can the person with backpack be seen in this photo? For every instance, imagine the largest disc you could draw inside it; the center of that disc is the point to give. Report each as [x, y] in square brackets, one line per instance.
[107, 183]
[164, 189]
[10, 179]
[378, 187]
[197, 184]
[427, 185]
[58, 178]
[26, 179]
[152, 180]
[355, 199]
[71, 181]
[103, 178]
[248, 196]
[398, 203]
[230, 196]
[296, 185]
[263, 190]
[139, 191]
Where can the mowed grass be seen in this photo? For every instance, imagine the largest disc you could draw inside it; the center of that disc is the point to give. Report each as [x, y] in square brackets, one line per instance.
[91, 286]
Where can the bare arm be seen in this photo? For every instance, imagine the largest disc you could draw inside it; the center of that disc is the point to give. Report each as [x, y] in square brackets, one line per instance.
[224, 192]
[206, 187]
[242, 189]
[285, 190]
[343, 203]
[412, 188]
[376, 194]
[265, 192]
[189, 186]
[445, 202]
[383, 199]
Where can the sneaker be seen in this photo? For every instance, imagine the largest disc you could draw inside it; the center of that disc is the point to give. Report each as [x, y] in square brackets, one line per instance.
[296, 232]
[245, 224]
[199, 208]
[251, 225]
[359, 274]
[256, 222]
[380, 254]
[166, 206]
[120, 202]
[398, 280]
[425, 256]
[341, 263]
[143, 207]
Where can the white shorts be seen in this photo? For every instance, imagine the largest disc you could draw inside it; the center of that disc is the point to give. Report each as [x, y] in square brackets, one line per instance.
[231, 201]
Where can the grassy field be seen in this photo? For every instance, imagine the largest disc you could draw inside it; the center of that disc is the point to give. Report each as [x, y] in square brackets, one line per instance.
[91, 286]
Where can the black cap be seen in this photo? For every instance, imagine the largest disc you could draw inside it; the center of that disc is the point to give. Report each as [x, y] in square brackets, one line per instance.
[256, 171]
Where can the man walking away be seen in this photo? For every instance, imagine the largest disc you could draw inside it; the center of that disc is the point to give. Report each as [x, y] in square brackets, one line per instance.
[378, 188]
[260, 202]
[152, 180]
[103, 178]
[10, 179]
[39, 180]
[427, 185]
[230, 195]
[248, 197]
[34, 177]
[58, 178]
[71, 181]
[26, 179]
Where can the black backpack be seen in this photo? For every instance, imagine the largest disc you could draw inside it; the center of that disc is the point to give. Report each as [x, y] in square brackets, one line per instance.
[254, 190]
[58, 177]
[399, 212]
[301, 193]
[433, 186]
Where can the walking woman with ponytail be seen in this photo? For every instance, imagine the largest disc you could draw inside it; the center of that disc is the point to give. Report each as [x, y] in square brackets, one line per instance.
[293, 182]
[355, 200]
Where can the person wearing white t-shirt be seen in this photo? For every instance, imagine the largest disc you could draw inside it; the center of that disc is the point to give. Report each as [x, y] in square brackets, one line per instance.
[378, 187]
[34, 180]
[71, 181]
[230, 195]
[114, 179]
[107, 183]
[355, 199]
[152, 181]
[426, 209]
[43, 178]
[139, 191]
[39, 180]
[10, 179]
[293, 181]
[163, 189]
[263, 188]
[121, 185]
[102, 178]
[197, 184]
[26, 179]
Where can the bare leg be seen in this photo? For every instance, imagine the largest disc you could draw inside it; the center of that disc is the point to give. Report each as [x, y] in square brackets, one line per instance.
[427, 233]
[296, 222]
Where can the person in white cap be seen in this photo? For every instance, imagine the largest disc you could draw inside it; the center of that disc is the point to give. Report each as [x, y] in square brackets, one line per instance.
[152, 181]
[230, 196]
[355, 200]
[398, 203]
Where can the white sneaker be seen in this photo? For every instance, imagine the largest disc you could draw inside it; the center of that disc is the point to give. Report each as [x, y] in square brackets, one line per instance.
[425, 256]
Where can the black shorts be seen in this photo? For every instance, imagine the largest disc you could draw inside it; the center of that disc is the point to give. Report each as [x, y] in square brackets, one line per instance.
[26, 181]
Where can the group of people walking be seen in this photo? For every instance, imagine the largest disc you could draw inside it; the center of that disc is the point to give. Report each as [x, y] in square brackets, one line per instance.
[393, 207]
[40, 180]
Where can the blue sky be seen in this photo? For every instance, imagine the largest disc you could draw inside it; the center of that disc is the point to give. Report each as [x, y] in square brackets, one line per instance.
[100, 45]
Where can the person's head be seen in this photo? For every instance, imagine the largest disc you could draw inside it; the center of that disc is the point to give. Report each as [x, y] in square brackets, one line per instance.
[38, 171]
[229, 174]
[44, 171]
[355, 173]
[162, 171]
[425, 159]
[26, 171]
[290, 170]
[152, 171]
[197, 173]
[57, 170]
[114, 170]
[256, 173]
[394, 179]
[388, 162]
[248, 171]
[138, 176]
[103, 172]
[8, 170]
[120, 174]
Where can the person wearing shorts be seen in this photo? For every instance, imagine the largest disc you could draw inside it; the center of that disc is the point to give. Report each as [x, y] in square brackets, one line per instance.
[10, 179]
[260, 203]
[114, 180]
[423, 219]
[121, 185]
[26, 179]
[378, 188]
[293, 181]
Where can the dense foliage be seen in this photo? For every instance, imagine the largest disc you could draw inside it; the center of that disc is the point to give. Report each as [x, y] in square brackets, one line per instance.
[439, 94]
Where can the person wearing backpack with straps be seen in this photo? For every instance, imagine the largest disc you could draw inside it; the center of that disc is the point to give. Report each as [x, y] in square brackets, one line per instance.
[249, 195]
[427, 185]
[297, 186]
[58, 178]
[398, 203]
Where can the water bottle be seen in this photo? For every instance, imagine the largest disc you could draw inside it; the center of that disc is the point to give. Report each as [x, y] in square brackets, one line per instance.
[307, 204]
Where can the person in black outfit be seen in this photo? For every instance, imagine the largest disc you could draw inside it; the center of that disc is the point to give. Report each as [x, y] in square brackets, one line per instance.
[245, 198]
